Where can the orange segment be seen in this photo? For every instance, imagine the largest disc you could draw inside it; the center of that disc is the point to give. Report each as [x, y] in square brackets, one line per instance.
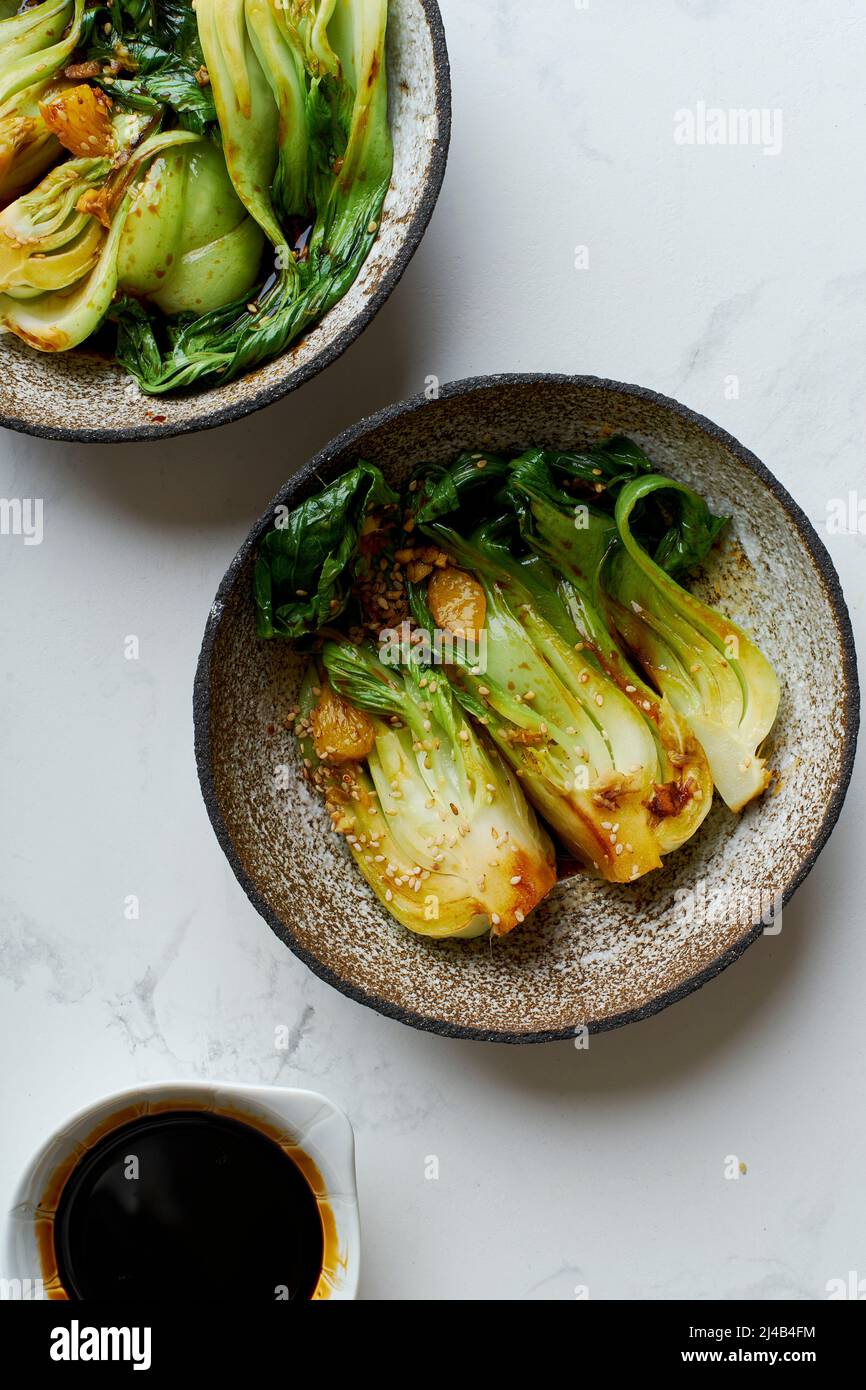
[457, 603]
[81, 120]
[341, 733]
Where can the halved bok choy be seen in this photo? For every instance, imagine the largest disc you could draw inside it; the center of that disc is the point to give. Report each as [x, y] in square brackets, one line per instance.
[35, 45]
[311, 147]
[588, 756]
[617, 574]
[575, 540]
[707, 666]
[432, 816]
[59, 247]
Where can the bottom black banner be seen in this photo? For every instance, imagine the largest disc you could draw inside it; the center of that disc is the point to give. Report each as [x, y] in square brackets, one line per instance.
[82, 1339]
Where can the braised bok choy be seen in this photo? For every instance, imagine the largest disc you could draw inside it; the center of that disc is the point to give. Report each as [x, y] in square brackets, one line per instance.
[505, 646]
[250, 227]
[590, 751]
[435, 821]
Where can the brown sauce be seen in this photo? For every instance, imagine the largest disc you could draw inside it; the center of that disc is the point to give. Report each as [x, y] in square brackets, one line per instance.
[188, 1203]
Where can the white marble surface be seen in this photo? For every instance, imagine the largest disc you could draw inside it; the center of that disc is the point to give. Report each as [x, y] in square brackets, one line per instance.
[558, 1169]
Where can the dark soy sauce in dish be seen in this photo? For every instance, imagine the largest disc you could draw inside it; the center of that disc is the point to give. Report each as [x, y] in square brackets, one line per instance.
[188, 1204]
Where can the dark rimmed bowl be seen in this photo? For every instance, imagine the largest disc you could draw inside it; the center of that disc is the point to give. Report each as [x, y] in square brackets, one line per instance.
[81, 396]
[592, 955]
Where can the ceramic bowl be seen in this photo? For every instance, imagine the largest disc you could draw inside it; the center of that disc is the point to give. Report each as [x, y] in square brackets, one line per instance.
[85, 397]
[299, 1120]
[592, 955]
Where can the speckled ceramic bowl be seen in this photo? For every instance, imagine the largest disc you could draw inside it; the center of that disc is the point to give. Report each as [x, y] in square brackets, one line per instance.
[592, 955]
[85, 397]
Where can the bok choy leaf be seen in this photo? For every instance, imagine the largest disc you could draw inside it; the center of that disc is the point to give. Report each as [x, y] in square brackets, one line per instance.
[307, 565]
[435, 821]
[220, 345]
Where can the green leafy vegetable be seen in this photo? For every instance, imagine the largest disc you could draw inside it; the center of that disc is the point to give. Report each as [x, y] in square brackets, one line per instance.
[188, 245]
[282, 65]
[27, 147]
[55, 322]
[601, 470]
[60, 280]
[466, 490]
[577, 677]
[160, 61]
[435, 821]
[618, 578]
[306, 567]
[141, 14]
[310, 19]
[43, 48]
[222, 344]
[707, 666]
[248, 114]
[466, 486]
[587, 757]
[688, 533]
[33, 30]
[576, 541]
[45, 242]
[295, 95]
[163, 79]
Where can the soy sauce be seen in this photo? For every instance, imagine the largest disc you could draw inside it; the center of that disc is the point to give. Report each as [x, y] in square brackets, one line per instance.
[188, 1204]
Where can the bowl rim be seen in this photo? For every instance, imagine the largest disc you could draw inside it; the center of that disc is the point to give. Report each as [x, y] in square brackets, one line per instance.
[390, 278]
[294, 487]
